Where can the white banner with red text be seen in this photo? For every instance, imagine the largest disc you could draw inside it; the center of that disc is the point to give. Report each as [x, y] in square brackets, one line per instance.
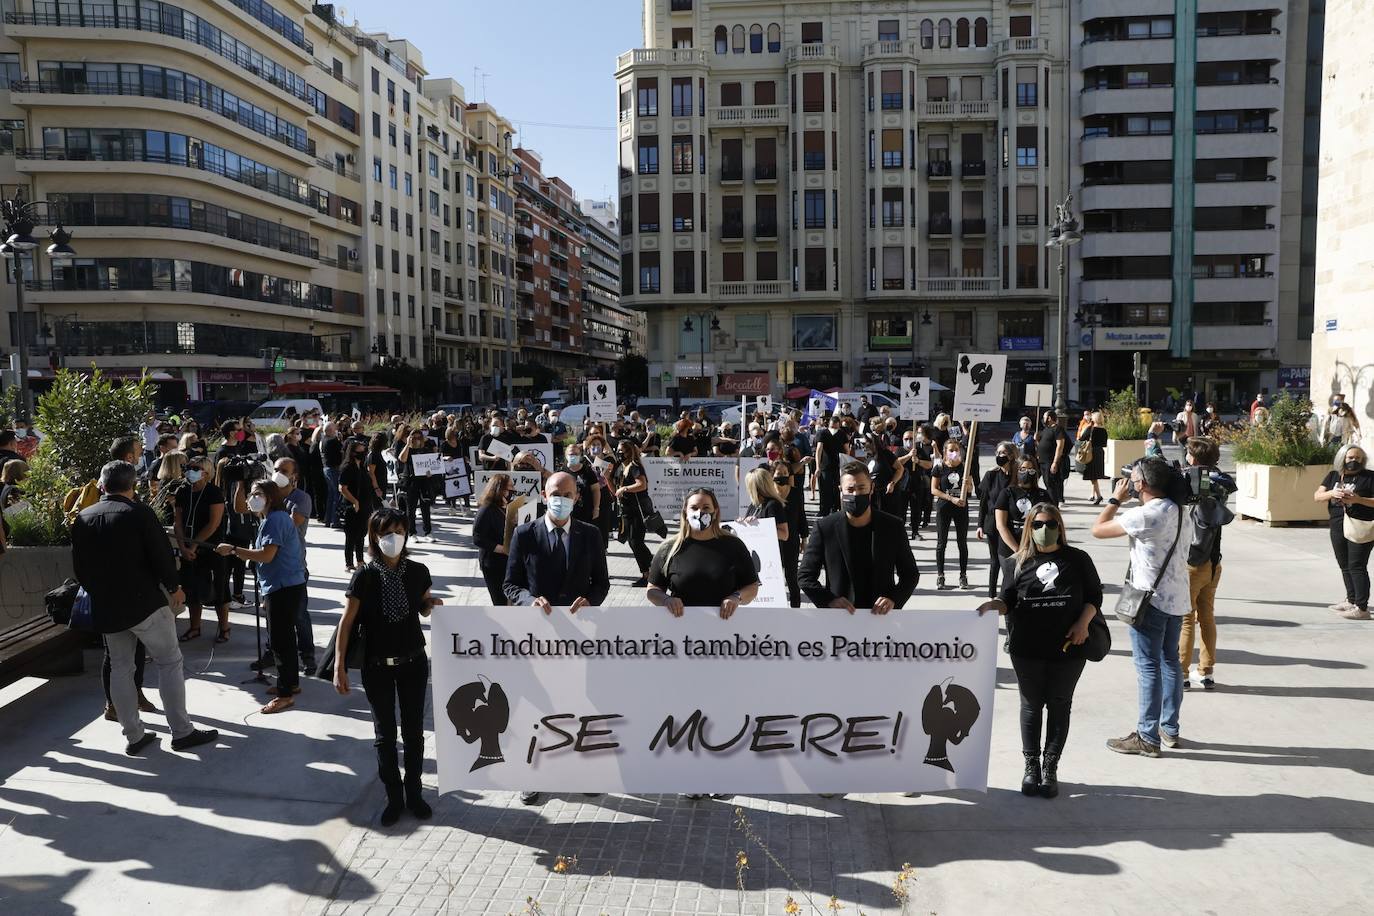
[773, 700]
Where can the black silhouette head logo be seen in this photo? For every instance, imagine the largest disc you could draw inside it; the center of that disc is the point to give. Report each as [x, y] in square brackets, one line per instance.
[914, 387]
[963, 365]
[758, 563]
[981, 373]
[600, 391]
[947, 715]
[480, 712]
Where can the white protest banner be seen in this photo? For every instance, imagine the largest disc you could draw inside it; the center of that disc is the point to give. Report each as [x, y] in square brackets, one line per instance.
[427, 464]
[773, 700]
[527, 483]
[456, 481]
[601, 399]
[499, 449]
[761, 538]
[542, 450]
[745, 466]
[851, 399]
[1039, 396]
[527, 512]
[472, 457]
[671, 479]
[764, 404]
[978, 386]
[915, 398]
[814, 407]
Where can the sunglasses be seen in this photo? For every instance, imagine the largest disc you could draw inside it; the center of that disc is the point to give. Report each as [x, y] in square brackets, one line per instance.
[1037, 525]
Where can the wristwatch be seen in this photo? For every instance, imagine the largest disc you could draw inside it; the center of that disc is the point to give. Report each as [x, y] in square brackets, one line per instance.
[1112, 500]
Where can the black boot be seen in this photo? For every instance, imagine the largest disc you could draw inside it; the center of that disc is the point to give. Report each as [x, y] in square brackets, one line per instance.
[1049, 778]
[417, 805]
[1030, 783]
[395, 804]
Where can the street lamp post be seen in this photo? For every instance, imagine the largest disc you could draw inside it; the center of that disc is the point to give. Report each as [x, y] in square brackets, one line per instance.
[19, 217]
[702, 318]
[1063, 234]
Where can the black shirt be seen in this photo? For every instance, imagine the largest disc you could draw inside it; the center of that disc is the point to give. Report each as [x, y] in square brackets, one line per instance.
[377, 461]
[703, 573]
[1047, 444]
[1046, 598]
[354, 476]
[331, 452]
[1361, 483]
[1016, 502]
[771, 508]
[834, 443]
[587, 480]
[682, 445]
[989, 491]
[861, 564]
[702, 441]
[881, 465]
[949, 479]
[195, 509]
[386, 638]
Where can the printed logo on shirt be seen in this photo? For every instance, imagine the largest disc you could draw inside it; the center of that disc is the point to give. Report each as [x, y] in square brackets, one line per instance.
[953, 478]
[1023, 505]
[1048, 574]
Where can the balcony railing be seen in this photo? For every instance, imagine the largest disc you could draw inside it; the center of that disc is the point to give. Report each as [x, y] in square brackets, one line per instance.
[957, 110]
[973, 168]
[750, 289]
[731, 172]
[974, 227]
[251, 179]
[957, 286]
[321, 65]
[766, 230]
[941, 168]
[342, 171]
[732, 230]
[816, 51]
[748, 116]
[890, 49]
[940, 225]
[766, 171]
[662, 56]
[170, 27]
[105, 284]
[49, 87]
[1013, 45]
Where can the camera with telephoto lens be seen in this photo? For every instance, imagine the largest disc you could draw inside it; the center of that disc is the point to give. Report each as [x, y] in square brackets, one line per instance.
[1186, 486]
[246, 468]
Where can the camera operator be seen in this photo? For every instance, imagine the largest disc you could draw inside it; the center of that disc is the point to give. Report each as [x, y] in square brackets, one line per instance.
[198, 516]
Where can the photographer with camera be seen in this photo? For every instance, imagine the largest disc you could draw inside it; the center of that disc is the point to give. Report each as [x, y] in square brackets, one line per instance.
[1158, 573]
[1208, 513]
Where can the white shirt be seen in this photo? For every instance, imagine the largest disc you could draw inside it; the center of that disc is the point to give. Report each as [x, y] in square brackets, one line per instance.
[549, 526]
[149, 431]
[1152, 528]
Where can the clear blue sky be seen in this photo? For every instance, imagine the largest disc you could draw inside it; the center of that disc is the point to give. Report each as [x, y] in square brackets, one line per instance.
[544, 62]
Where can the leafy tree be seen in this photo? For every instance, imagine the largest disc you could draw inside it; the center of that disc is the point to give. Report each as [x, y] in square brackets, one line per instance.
[542, 378]
[80, 416]
[632, 375]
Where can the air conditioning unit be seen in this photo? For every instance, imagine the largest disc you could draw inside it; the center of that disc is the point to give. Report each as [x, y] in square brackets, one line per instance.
[353, 254]
[350, 158]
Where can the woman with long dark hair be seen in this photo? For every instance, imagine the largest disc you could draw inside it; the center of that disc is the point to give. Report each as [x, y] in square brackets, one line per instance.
[281, 580]
[386, 600]
[989, 491]
[949, 488]
[631, 493]
[355, 487]
[489, 535]
[1050, 597]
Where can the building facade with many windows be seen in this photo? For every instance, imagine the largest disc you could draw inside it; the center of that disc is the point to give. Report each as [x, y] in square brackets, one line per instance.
[838, 193]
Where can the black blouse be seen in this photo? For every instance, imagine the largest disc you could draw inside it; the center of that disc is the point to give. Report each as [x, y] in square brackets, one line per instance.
[387, 638]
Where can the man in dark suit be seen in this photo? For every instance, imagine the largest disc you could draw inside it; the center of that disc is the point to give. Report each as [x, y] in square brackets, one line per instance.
[123, 559]
[864, 552]
[557, 561]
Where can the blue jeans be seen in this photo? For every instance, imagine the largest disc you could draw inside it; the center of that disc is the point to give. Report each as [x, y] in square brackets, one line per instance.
[1159, 677]
[332, 497]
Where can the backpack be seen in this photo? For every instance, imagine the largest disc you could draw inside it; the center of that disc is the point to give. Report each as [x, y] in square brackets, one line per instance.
[79, 498]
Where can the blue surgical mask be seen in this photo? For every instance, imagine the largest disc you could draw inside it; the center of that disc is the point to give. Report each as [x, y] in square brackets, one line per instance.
[194, 475]
[560, 507]
[574, 461]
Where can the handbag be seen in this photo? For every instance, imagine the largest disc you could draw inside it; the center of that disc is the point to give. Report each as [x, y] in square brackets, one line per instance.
[653, 521]
[1083, 452]
[1357, 530]
[1098, 643]
[1134, 602]
[356, 656]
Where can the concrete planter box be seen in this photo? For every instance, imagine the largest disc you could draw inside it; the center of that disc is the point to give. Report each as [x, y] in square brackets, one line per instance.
[1274, 494]
[1122, 452]
[26, 575]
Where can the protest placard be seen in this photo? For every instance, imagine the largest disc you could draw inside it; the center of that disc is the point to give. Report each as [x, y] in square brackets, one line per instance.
[671, 479]
[601, 399]
[978, 386]
[915, 404]
[761, 537]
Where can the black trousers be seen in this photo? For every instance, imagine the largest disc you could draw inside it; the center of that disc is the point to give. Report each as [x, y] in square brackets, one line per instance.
[994, 557]
[494, 574]
[1046, 685]
[282, 607]
[828, 492]
[1353, 560]
[946, 513]
[140, 659]
[408, 499]
[920, 504]
[791, 555]
[355, 533]
[1054, 482]
[635, 533]
[389, 689]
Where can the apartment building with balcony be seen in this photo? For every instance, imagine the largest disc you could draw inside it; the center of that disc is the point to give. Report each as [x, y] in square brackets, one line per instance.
[1189, 149]
[611, 329]
[844, 191]
[549, 244]
[489, 219]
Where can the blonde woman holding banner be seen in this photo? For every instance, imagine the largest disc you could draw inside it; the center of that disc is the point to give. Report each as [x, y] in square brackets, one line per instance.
[766, 501]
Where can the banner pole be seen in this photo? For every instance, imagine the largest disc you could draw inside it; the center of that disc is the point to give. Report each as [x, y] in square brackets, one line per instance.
[968, 451]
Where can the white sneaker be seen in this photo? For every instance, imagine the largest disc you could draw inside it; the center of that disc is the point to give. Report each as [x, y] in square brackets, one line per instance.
[1355, 613]
[1341, 606]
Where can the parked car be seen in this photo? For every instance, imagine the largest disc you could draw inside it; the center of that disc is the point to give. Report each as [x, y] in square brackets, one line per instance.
[455, 409]
[273, 416]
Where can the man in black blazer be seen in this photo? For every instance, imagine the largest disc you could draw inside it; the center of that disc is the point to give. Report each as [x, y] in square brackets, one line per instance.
[865, 554]
[557, 561]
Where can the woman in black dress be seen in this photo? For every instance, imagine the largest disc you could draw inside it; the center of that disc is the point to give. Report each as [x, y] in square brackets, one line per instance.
[1050, 598]
[489, 535]
[632, 497]
[882, 468]
[1096, 468]
[386, 600]
[989, 492]
[376, 467]
[355, 489]
[766, 501]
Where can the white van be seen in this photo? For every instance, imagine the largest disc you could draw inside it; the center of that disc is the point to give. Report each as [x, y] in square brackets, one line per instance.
[271, 416]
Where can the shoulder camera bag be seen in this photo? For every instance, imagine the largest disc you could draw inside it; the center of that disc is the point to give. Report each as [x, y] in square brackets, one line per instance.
[1134, 601]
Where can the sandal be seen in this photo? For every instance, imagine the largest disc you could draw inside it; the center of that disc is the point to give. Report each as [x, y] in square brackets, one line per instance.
[190, 634]
[280, 704]
[222, 636]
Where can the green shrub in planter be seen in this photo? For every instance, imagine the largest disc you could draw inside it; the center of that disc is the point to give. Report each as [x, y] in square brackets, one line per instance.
[81, 416]
[1121, 416]
[1285, 439]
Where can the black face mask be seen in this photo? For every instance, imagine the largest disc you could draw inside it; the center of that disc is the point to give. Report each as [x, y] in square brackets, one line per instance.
[855, 504]
[1002, 460]
[1353, 466]
[1027, 478]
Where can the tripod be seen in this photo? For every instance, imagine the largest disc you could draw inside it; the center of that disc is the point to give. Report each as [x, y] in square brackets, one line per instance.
[259, 677]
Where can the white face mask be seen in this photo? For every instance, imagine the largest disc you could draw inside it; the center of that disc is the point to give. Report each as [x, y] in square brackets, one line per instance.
[496, 430]
[392, 544]
[281, 479]
[700, 519]
[560, 507]
[193, 475]
[257, 502]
